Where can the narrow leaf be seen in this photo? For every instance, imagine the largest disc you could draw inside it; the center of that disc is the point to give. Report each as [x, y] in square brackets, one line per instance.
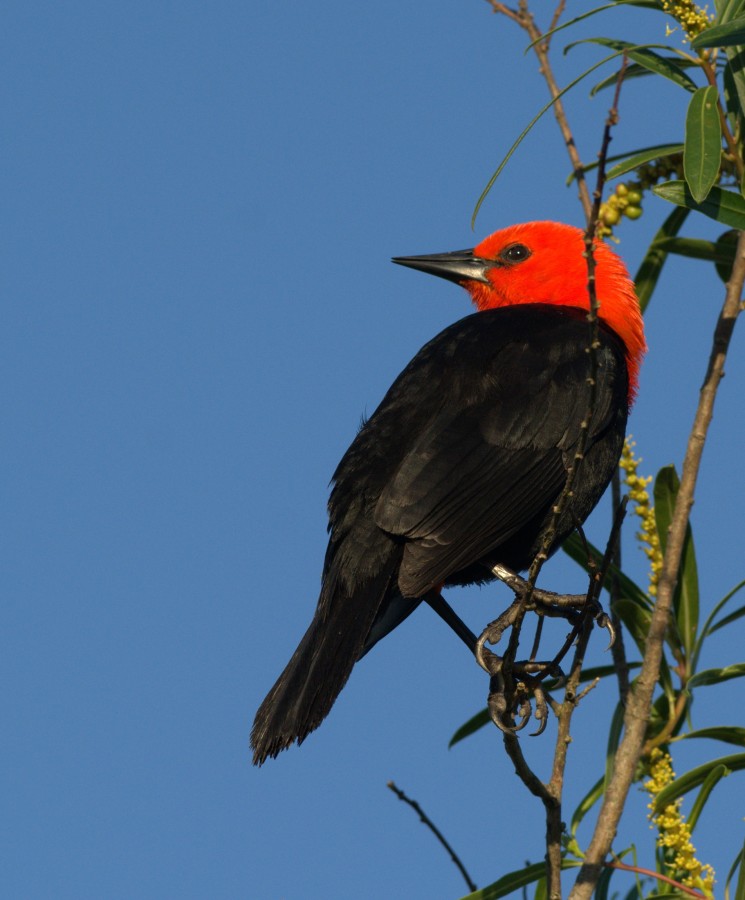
[660, 151]
[614, 739]
[727, 10]
[636, 619]
[716, 676]
[693, 779]
[525, 131]
[637, 71]
[730, 34]
[726, 247]
[733, 99]
[603, 884]
[694, 248]
[710, 782]
[482, 718]
[549, 34]
[651, 268]
[727, 620]
[513, 881]
[740, 888]
[735, 66]
[587, 803]
[574, 548]
[723, 206]
[470, 727]
[686, 597]
[644, 55]
[702, 155]
[728, 734]
[708, 627]
[739, 894]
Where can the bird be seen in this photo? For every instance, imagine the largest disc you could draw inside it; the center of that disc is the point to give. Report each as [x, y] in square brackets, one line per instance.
[461, 464]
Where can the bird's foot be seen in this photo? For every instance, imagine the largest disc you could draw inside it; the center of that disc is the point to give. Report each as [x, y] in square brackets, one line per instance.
[511, 708]
[516, 685]
[546, 603]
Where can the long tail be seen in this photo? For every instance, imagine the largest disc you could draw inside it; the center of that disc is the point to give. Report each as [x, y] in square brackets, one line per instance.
[305, 692]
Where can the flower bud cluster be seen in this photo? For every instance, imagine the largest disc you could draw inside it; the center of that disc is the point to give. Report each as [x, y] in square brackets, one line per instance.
[673, 832]
[693, 19]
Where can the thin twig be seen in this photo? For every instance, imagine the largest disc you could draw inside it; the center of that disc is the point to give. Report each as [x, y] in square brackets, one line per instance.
[684, 889]
[554, 789]
[425, 819]
[640, 697]
[618, 650]
[524, 18]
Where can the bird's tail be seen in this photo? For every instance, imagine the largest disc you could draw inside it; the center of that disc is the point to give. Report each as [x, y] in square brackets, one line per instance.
[305, 692]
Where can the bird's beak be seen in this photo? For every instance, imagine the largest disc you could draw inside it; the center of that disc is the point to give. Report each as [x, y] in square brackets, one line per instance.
[459, 266]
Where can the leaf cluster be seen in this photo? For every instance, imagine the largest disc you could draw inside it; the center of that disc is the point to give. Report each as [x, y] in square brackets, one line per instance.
[701, 171]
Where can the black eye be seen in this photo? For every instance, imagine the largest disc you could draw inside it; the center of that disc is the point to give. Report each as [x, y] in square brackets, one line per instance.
[515, 253]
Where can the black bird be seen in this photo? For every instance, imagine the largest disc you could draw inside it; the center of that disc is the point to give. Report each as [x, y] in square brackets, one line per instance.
[459, 467]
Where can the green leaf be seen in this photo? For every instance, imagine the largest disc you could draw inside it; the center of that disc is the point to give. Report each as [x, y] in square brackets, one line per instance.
[694, 248]
[636, 71]
[482, 718]
[524, 132]
[734, 95]
[726, 247]
[739, 894]
[513, 881]
[727, 10]
[659, 151]
[686, 598]
[574, 548]
[587, 803]
[593, 672]
[614, 739]
[549, 34]
[708, 627]
[636, 619]
[728, 620]
[730, 34]
[736, 64]
[702, 155]
[717, 676]
[651, 268]
[696, 777]
[644, 55]
[723, 206]
[603, 884]
[740, 889]
[710, 782]
[728, 734]
[470, 727]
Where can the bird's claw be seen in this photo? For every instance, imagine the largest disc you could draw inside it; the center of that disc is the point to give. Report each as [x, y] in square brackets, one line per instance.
[507, 704]
[603, 620]
[511, 692]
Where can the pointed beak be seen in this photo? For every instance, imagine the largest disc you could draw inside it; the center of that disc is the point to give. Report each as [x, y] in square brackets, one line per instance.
[459, 266]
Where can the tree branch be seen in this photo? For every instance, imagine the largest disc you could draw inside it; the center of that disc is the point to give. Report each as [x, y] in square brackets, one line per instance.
[425, 819]
[640, 698]
[524, 18]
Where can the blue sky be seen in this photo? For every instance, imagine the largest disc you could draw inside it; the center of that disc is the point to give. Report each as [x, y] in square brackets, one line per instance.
[200, 203]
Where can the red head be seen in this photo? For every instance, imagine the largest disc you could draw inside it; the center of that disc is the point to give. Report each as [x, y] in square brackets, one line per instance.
[544, 262]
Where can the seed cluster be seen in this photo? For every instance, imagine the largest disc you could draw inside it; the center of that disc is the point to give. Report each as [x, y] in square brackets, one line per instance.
[639, 496]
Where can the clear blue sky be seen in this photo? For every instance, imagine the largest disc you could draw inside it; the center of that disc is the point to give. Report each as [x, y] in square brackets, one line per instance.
[199, 206]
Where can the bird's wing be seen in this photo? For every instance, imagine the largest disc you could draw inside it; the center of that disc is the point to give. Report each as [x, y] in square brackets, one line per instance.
[493, 460]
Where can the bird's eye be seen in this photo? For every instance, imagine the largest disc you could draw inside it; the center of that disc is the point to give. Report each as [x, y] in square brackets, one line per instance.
[515, 253]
